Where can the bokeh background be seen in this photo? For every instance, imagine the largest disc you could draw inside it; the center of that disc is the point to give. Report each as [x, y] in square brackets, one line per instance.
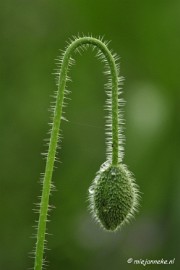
[146, 35]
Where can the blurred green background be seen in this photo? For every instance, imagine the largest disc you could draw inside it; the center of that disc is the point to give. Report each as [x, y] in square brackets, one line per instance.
[146, 34]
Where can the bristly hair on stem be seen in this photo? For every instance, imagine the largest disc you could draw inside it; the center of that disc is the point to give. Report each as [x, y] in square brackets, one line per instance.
[114, 196]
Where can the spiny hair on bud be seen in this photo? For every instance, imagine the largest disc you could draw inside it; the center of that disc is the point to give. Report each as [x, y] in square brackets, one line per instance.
[113, 196]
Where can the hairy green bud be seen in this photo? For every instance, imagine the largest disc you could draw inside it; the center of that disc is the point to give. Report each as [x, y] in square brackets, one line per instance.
[113, 196]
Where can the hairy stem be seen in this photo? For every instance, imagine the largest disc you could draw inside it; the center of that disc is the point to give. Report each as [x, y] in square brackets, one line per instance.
[77, 43]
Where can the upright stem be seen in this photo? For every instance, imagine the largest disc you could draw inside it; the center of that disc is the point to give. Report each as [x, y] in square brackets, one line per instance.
[56, 126]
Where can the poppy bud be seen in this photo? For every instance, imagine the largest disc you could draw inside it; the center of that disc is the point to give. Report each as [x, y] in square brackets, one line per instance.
[113, 196]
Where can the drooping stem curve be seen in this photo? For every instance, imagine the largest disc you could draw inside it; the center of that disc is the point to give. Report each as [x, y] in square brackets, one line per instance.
[107, 55]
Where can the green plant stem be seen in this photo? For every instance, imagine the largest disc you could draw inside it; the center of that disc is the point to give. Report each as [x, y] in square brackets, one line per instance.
[55, 132]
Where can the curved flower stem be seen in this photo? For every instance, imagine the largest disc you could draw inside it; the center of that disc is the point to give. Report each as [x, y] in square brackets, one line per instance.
[79, 42]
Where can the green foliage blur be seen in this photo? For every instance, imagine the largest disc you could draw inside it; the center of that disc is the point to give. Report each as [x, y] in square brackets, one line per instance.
[146, 35]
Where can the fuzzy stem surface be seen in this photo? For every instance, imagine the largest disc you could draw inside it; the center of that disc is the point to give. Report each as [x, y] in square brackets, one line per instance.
[79, 42]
